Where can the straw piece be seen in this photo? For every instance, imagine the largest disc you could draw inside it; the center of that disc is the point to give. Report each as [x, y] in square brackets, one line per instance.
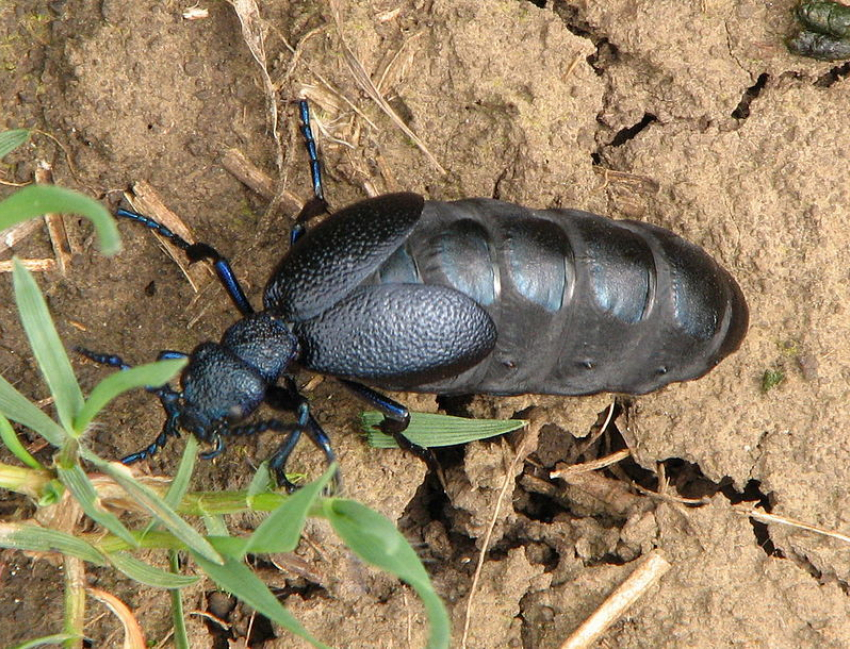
[55, 225]
[17, 233]
[764, 517]
[35, 265]
[249, 174]
[365, 82]
[146, 200]
[618, 602]
[595, 465]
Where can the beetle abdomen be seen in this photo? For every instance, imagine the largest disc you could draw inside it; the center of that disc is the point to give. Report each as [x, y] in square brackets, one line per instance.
[581, 303]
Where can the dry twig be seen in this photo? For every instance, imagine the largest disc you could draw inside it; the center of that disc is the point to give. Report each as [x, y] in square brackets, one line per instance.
[614, 495]
[364, 81]
[34, 265]
[256, 179]
[669, 498]
[764, 517]
[17, 233]
[145, 199]
[134, 637]
[595, 465]
[618, 602]
[55, 225]
[509, 479]
[252, 32]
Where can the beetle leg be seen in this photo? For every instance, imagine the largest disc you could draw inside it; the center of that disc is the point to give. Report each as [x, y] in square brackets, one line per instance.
[288, 398]
[321, 440]
[318, 436]
[277, 462]
[279, 457]
[396, 421]
[168, 397]
[169, 400]
[224, 272]
[170, 354]
[317, 205]
[285, 397]
[312, 208]
[103, 359]
[197, 252]
[396, 415]
[216, 450]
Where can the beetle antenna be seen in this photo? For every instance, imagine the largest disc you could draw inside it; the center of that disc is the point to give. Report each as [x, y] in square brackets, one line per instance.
[197, 252]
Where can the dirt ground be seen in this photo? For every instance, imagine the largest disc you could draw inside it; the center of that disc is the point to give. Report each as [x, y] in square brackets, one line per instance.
[689, 115]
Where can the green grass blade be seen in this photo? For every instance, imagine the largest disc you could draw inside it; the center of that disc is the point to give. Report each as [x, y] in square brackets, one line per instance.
[151, 374]
[430, 431]
[32, 538]
[11, 140]
[178, 617]
[216, 528]
[151, 501]
[78, 483]
[235, 577]
[182, 479]
[34, 483]
[261, 482]
[47, 346]
[144, 573]
[46, 641]
[179, 486]
[13, 443]
[281, 530]
[377, 541]
[37, 200]
[20, 409]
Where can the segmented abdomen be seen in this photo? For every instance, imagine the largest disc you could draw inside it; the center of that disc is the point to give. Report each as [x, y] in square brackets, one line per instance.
[581, 303]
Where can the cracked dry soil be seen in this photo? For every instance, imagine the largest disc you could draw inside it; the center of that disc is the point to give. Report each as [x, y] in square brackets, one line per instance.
[690, 115]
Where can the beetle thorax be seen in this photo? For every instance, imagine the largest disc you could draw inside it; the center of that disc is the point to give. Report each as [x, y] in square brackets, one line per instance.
[227, 381]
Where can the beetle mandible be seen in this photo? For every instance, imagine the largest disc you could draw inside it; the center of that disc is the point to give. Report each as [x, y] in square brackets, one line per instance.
[470, 296]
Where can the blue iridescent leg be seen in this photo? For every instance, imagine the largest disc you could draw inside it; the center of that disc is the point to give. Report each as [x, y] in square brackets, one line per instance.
[170, 354]
[396, 415]
[396, 421]
[288, 398]
[277, 462]
[217, 449]
[169, 402]
[310, 141]
[197, 252]
[168, 397]
[320, 439]
[317, 205]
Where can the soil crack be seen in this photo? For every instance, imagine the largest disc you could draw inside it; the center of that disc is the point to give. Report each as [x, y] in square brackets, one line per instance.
[836, 74]
[623, 135]
[742, 111]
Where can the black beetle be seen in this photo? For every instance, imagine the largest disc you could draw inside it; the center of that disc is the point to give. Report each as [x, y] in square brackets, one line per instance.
[471, 296]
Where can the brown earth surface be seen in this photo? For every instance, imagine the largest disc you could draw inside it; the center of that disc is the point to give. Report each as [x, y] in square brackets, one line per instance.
[689, 115]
